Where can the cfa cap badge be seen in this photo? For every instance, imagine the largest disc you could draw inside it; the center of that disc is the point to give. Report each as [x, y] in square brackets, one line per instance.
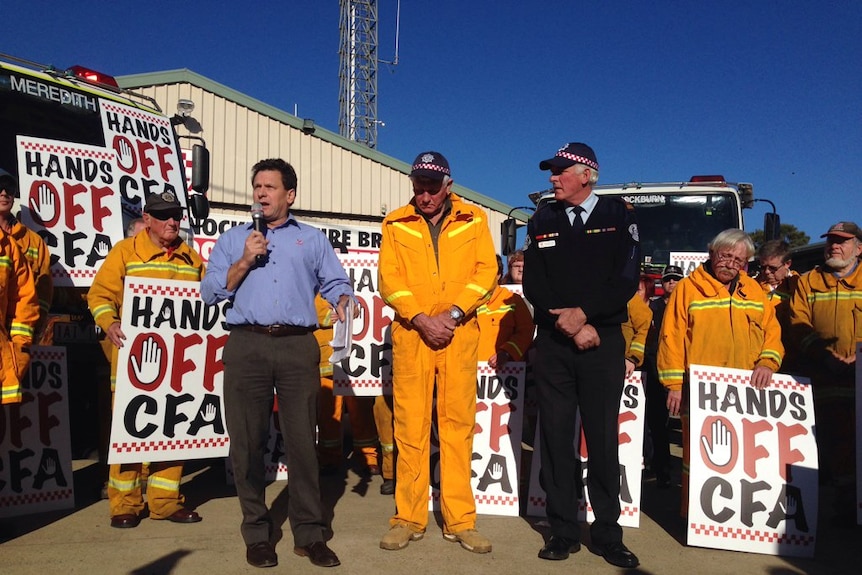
[427, 158]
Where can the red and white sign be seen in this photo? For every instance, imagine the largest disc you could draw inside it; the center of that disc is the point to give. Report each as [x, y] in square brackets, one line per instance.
[688, 261]
[35, 449]
[496, 441]
[69, 197]
[169, 403]
[631, 435]
[753, 484]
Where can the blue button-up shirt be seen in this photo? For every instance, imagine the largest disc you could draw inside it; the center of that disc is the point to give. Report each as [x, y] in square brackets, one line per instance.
[280, 292]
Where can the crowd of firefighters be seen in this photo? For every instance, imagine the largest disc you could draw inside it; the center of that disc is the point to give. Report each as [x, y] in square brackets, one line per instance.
[806, 324]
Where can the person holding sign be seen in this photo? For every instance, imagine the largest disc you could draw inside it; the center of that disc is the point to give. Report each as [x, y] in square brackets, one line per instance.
[581, 267]
[270, 271]
[436, 267]
[155, 252]
[718, 316]
[19, 314]
[34, 249]
[635, 329]
[826, 325]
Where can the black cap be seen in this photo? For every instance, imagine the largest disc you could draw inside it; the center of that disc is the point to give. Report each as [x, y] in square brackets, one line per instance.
[672, 272]
[430, 165]
[161, 202]
[9, 178]
[571, 154]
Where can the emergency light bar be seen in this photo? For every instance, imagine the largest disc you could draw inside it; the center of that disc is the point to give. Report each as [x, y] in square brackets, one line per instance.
[93, 76]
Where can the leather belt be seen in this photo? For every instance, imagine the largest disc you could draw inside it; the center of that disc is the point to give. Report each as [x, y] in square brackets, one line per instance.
[275, 330]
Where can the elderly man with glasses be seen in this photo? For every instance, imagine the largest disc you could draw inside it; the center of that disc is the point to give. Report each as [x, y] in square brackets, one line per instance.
[717, 316]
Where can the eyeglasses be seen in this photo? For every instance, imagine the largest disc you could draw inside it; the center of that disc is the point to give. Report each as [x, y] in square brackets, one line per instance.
[165, 215]
[771, 269]
[731, 259]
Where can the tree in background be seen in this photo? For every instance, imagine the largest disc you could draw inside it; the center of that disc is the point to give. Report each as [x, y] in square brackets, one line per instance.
[794, 236]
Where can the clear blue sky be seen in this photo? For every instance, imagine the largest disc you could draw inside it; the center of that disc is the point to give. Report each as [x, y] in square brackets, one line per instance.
[763, 91]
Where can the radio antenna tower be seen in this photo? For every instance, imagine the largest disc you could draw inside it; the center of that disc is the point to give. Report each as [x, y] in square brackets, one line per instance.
[357, 98]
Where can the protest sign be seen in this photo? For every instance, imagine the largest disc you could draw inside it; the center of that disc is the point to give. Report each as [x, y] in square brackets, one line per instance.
[753, 483]
[168, 403]
[496, 443]
[35, 449]
[69, 197]
[631, 434]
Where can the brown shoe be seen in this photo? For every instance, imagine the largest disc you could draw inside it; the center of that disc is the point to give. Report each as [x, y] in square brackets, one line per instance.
[184, 516]
[125, 521]
[319, 554]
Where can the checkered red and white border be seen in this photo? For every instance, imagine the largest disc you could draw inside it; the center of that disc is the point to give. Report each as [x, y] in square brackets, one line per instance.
[45, 355]
[361, 383]
[162, 445]
[58, 272]
[139, 114]
[168, 291]
[358, 263]
[751, 534]
[498, 500]
[68, 151]
[37, 497]
[488, 370]
[778, 380]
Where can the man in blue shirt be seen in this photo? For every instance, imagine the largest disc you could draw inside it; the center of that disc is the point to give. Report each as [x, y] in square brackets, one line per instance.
[270, 278]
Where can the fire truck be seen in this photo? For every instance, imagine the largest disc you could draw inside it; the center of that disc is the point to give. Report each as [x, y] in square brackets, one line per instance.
[677, 218]
[85, 154]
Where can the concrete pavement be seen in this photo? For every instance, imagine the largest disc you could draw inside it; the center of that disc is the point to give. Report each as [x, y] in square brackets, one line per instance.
[82, 542]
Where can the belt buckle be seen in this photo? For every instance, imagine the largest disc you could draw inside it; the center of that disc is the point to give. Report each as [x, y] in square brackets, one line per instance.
[273, 330]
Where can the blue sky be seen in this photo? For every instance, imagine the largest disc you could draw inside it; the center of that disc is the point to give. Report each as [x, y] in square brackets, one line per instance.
[766, 91]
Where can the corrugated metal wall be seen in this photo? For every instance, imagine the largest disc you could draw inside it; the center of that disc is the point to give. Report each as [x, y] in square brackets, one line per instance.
[333, 180]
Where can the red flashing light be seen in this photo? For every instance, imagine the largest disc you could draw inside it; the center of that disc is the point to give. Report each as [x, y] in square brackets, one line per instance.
[707, 179]
[93, 76]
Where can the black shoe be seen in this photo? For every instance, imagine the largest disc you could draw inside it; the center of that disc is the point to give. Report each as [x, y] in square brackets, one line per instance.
[618, 554]
[558, 548]
[387, 487]
[319, 554]
[261, 555]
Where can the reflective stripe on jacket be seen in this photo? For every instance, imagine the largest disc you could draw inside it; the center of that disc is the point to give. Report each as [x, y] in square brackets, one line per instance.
[705, 324]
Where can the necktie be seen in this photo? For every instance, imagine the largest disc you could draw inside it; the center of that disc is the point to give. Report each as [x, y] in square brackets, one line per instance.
[577, 222]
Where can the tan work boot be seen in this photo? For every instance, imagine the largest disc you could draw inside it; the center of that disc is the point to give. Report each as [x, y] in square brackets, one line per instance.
[398, 537]
[471, 540]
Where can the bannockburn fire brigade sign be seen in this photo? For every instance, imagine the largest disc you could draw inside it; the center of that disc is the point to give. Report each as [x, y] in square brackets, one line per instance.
[753, 483]
[168, 403]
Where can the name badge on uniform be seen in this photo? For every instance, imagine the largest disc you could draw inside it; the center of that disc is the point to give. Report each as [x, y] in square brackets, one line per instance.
[547, 243]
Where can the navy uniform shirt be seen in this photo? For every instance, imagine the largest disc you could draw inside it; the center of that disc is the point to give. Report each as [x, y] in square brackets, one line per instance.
[597, 269]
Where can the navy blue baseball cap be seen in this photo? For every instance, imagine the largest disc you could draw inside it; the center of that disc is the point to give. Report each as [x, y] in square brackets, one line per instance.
[430, 165]
[571, 154]
[11, 182]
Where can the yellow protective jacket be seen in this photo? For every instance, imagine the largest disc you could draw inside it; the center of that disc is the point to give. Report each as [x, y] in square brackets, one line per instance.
[137, 256]
[505, 324]
[705, 324]
[411, 279]
[826, 313]
[323, 334]
[780, 297]
[635, 329]
[39, 258]
[19, 312]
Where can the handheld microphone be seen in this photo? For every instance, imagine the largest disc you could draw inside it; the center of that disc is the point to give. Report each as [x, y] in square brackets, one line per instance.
[259, 226]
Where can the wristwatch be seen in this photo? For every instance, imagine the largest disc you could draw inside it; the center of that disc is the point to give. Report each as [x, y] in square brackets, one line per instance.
[456, 314]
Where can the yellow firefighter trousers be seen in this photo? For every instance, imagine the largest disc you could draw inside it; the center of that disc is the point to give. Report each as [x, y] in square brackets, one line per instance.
[383, 418]
[415, 368]
[329, 432]
[163, 489]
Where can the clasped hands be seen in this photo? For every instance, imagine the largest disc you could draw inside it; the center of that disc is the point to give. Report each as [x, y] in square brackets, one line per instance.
[572, 322]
